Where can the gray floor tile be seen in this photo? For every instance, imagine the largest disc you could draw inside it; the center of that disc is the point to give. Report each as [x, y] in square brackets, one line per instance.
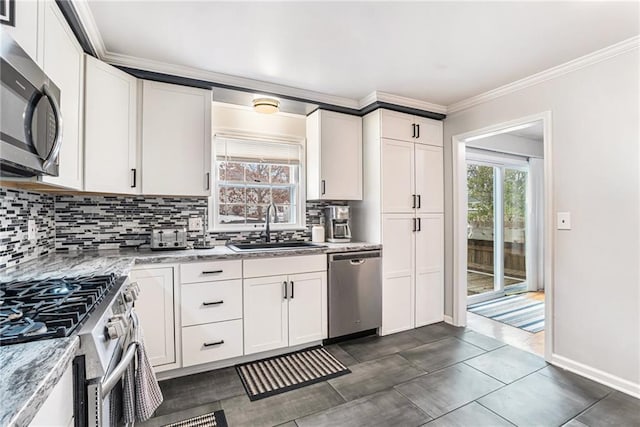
[572, 380]
[176, 416]
[381, 409]
[442, 353]
[470, 415]
[377, 375]
[280, 408]
[480, 340]
[374, 347]
[199, 389]
[574, 423]
[541, 400]
[617, 409]
[436, 332]
[448, 389]
[289, 424]
[342, 356]
[507, 363]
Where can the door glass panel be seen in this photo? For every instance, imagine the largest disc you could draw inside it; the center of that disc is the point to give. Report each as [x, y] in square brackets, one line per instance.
[515, 208]
[480, 229]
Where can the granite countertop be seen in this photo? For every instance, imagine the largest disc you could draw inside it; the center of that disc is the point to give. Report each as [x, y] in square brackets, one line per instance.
[30, 371]
[28, 374]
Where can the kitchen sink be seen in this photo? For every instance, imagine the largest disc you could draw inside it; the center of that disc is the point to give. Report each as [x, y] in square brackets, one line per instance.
[272, 246]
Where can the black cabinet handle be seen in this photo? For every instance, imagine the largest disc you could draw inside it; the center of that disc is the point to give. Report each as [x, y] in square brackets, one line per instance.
[133, 178]
[323, 186]
[292, 289]
[418, 134]
[208, 180]
[211, 344]
[414, 225]
[206, 303]
[419, 224]
[284, 285]
[212, 272]
[414, 130]
[413, 205]
[419, 201]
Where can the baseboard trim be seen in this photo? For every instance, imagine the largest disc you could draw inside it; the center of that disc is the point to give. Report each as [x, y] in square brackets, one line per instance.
[597, 375]
[448, 319]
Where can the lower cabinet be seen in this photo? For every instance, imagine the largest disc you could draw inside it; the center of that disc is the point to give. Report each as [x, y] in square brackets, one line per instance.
[266, 320]
[211, 342]
[155, 309]
[57, 410]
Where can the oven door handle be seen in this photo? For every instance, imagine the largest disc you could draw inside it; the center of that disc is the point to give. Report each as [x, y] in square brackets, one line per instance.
[57, 142]
[110, 381]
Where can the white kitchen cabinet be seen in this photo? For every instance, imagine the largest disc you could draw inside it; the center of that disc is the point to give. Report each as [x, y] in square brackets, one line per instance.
[111, 164]
[57, 410]
[25, 31]
[211, 342]
[285, 309]
[155, 309]
[406, 127]
[334, 156]
[429, 260]
[402, 209]
[63, 62]
[176, 140]
[211, 302]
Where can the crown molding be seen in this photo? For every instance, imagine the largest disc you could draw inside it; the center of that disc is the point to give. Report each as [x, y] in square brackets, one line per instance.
[90, 27]
[551, 73]
[389, 98]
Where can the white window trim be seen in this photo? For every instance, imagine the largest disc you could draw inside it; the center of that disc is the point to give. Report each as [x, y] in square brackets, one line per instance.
[301, 211]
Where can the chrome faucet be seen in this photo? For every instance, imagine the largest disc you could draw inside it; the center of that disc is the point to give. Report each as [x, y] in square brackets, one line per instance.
[266, 233]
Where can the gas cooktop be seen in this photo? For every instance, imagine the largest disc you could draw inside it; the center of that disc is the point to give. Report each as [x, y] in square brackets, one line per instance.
[52, 308]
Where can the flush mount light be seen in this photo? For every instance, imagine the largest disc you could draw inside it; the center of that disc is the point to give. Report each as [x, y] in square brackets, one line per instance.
[266, 105]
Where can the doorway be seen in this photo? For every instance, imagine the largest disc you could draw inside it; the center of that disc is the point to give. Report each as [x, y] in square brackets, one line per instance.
[502, 245]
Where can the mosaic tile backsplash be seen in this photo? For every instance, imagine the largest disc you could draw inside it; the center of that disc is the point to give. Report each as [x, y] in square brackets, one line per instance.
[16, 208]
[78, 222]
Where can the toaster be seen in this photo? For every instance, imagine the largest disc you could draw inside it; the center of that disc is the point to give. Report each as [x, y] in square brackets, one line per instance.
[168, 238]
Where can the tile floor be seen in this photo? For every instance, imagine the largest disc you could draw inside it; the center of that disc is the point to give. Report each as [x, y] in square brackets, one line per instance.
[437, 375]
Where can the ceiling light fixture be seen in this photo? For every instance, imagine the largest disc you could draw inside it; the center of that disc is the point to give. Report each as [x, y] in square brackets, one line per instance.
[266, 105]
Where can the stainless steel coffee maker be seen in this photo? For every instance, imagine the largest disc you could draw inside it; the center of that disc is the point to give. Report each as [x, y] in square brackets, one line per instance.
[337, 223]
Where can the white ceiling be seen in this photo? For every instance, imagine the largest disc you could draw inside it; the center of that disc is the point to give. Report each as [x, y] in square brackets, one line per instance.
[440, 52]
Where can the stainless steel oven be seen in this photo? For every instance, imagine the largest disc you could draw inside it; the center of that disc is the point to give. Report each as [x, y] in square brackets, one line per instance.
[30, 117]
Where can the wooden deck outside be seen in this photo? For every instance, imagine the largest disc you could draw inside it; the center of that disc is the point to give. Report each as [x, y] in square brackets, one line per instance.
[479, 283]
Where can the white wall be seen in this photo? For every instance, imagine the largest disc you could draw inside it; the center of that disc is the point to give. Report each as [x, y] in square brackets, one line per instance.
[244, 120]
[595, 120]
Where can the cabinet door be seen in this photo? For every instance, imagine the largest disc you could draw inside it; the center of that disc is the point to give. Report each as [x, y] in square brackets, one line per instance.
[341, 156]
[428, 131]
[429, 270]
[110, 129]
[307, 308]
[156, 312]
[397, 176]
[25, 31]
[265, 314]
[429, 178]
[176, 140]
[64, 64]
[396, 125]
[398, 240]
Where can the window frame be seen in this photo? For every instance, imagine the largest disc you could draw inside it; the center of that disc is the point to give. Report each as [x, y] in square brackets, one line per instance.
[300, 193]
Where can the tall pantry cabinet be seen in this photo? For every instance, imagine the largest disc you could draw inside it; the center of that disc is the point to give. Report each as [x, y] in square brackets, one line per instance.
[402, 209]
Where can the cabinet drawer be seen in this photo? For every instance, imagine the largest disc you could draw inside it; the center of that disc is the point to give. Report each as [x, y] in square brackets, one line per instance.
[210, 271]
[211, 342]
[211, 302]
[284, 265]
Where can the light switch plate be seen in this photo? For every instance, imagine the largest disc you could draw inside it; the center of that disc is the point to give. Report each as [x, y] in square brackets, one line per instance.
[195, 224]
[564, 221]
[32, 229]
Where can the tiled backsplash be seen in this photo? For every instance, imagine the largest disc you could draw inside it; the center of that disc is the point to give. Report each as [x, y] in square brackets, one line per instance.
[16, 208]
[78, 222]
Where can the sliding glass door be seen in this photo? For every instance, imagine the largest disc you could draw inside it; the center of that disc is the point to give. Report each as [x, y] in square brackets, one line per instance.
[496, 227]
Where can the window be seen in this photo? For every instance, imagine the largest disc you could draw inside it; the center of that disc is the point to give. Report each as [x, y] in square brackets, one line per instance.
[250, 174]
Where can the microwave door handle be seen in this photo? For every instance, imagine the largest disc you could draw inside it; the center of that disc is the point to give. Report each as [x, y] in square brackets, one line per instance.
[57, 142]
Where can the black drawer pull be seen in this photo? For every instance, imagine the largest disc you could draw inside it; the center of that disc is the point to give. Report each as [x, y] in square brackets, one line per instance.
[419, 201]
[212, 272]
[292, 289]
[211, 344]
[212, 302]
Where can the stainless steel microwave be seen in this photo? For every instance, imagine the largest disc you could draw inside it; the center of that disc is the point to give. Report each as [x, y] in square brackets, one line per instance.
[30, 118]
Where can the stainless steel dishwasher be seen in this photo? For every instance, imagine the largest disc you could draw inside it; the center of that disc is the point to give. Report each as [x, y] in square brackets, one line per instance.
[355, 292]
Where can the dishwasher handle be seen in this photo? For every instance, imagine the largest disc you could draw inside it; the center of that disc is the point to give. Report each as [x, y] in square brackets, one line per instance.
[359, 261]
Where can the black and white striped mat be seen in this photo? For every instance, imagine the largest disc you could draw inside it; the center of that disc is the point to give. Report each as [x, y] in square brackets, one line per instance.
[278, 374]
[213, 419]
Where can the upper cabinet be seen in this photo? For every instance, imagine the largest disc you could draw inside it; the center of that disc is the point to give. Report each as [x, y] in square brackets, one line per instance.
[25, 31]
[110, 129]
[405, 127]
[62, 60]
[334, 156]
[176, 140]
